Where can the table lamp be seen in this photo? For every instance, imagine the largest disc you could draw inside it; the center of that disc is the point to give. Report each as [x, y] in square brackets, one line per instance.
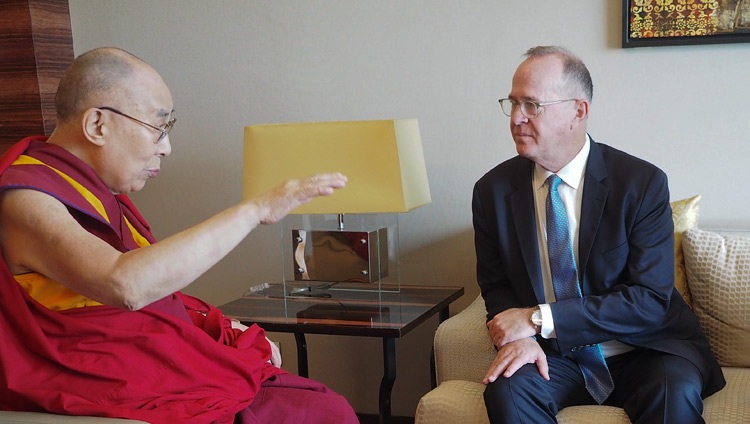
[342, 237]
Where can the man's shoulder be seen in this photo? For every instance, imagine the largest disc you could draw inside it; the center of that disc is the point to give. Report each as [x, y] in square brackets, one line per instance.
[614, 157]
[625, 168]
[507, 172]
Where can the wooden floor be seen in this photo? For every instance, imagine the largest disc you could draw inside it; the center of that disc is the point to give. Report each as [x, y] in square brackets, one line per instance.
[373, 419]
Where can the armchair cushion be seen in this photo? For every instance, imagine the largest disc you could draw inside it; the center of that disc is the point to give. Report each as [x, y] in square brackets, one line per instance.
[718, 269]
[685, 215]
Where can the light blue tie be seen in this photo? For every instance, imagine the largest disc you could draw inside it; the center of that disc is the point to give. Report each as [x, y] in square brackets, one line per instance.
[565, 282]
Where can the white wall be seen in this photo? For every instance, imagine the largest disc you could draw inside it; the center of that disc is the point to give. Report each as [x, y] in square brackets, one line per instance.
[236, 63]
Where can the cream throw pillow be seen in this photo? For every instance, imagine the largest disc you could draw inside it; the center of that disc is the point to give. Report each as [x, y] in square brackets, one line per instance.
[685, 214]
[718, 269]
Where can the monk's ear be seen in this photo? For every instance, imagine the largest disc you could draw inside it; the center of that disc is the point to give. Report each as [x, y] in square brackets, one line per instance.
[94, 125]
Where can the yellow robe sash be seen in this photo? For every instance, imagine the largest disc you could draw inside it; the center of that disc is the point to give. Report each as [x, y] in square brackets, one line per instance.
[46, 291]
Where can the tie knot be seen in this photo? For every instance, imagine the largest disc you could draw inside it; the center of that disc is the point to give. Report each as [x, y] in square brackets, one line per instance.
[553, 181]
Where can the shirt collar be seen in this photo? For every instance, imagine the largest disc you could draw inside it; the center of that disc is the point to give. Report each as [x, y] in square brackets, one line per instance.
[571, 174]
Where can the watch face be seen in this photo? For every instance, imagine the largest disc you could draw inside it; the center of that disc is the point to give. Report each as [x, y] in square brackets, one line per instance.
[536, 317]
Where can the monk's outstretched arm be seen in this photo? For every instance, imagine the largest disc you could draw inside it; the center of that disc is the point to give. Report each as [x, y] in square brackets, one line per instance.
[38, 234]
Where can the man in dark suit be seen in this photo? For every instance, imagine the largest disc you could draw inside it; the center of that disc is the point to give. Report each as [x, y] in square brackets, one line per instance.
[620, 239]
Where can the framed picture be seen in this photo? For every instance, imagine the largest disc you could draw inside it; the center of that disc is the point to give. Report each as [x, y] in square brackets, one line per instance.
[648, 23]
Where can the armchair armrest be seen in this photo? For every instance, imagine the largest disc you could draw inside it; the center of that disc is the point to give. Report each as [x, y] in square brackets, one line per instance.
[463, 350]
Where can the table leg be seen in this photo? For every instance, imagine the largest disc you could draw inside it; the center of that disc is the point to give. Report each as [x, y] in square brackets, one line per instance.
[444, 314]
[301, 355]
[389, 376]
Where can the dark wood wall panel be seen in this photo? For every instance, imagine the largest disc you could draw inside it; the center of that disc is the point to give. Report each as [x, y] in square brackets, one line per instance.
[36, 46]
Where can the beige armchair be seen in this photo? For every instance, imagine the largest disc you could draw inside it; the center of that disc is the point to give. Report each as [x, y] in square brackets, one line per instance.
[463, 353]
[711, 273]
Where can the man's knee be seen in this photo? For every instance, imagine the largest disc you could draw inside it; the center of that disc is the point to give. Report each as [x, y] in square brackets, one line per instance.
[670, 392]
[674, 377]
[521, 385]
[500, 400]
[520, 398]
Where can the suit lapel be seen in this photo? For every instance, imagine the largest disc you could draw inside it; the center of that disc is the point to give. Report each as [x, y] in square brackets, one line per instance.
[595, 192]
[524, 217]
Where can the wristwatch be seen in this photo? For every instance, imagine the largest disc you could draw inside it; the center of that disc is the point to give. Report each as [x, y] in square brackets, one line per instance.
[536, 319]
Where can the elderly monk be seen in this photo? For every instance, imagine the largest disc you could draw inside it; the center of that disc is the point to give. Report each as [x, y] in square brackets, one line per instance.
[92, 321]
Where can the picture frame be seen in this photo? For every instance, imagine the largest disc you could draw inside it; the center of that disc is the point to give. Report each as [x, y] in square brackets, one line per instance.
[647, 23]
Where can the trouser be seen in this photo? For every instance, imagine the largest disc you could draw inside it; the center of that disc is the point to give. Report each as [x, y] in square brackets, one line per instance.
[652, 387]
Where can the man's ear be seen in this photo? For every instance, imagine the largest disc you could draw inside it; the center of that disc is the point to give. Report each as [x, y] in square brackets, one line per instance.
[582, 112]
[94, 126]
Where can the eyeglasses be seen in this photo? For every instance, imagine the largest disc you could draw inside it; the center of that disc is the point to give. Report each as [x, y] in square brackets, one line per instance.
[163, 130]
[529, 109]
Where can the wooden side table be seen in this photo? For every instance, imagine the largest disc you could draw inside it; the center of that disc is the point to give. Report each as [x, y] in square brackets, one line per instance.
[385, 314]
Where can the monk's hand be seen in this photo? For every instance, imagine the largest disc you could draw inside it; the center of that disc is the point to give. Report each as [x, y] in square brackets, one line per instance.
[511, 325]
[513, 356]
[278, 202]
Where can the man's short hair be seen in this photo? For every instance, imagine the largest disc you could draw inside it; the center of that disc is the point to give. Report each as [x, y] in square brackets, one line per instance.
[576, 75]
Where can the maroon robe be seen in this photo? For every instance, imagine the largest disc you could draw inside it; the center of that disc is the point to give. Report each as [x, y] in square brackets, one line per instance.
[176, 360]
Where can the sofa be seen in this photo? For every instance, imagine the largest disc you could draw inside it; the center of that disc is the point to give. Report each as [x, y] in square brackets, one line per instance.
[712, 272]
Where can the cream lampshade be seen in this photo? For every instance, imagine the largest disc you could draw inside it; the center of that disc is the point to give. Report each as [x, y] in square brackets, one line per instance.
[382, 159]
[385, 167]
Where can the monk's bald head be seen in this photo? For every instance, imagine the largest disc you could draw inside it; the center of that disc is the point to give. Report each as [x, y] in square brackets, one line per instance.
[93, 78]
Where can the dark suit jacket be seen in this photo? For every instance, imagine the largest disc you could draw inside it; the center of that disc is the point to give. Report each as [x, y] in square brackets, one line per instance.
[626, 258]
